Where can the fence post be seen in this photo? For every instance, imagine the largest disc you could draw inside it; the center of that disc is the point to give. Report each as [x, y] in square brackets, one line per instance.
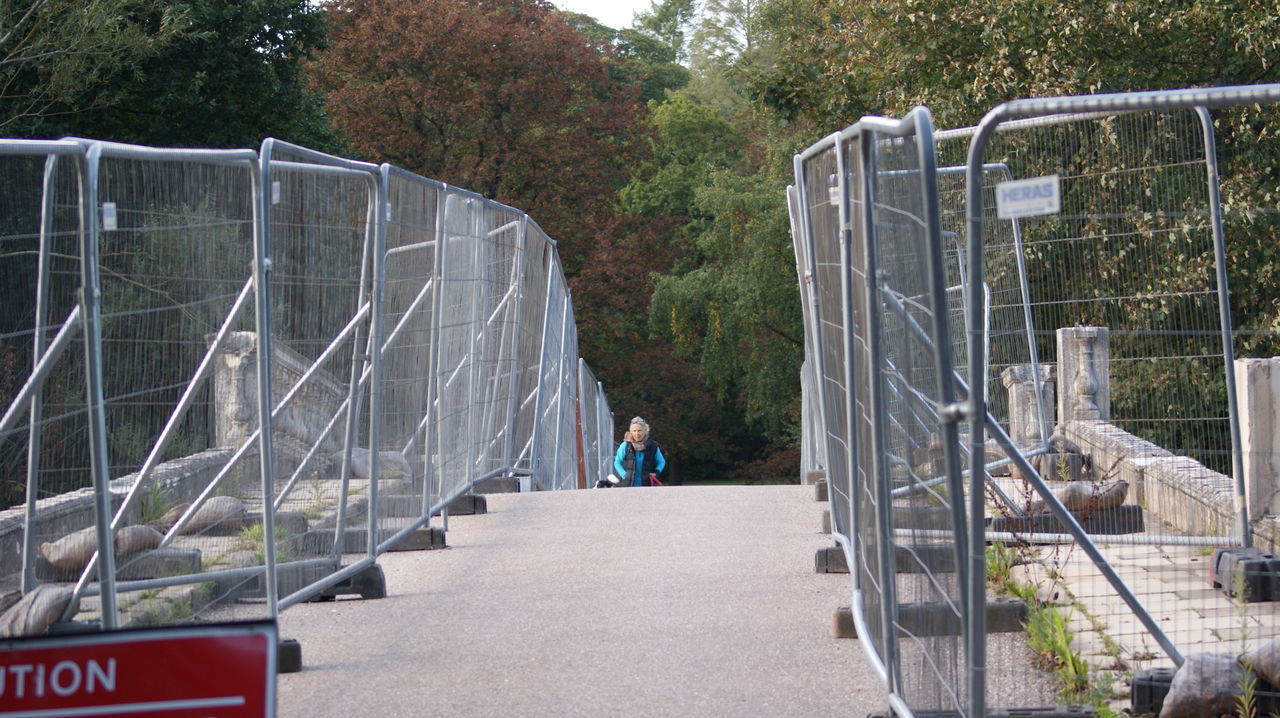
[1084, 370]
[1258, 381]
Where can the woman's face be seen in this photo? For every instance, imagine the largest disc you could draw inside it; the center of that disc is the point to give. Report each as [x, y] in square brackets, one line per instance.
[637, 433]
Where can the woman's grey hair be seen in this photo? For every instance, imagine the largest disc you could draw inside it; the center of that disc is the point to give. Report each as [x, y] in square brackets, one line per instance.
[637, 421]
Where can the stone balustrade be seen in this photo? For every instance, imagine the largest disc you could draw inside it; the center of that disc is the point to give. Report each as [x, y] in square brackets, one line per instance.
[1181, 491]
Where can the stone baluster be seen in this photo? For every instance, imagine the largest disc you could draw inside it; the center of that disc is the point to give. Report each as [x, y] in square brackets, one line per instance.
[1084, 363]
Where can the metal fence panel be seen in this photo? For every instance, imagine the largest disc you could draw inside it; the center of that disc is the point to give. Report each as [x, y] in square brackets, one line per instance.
[567, 475]
[496, 341]
[175, 252]
[1122, 280]
[167, 306]
[410, 289]
[918, 481]
[538, 264]
[817, 181]
[325, 253]
[589, 416]
[1125, 285]
[44, 446]
[550, 399]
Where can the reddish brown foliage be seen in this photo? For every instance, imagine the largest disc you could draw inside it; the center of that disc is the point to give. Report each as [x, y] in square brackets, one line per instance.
[497, 96]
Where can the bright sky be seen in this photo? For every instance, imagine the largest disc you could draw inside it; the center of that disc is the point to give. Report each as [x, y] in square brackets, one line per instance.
[616, 14]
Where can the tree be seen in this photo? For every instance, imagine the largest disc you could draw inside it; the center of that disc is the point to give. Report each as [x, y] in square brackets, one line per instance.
[502, 97]
[669, 21]
[845, 58]
[729, 302]
[230, 79]
[650, 63]
[634, 57]
[56, 54]
[729, 31]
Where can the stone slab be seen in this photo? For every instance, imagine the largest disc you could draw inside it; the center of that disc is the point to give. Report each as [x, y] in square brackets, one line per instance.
[155, 563]
[936, 558]
[399, 506]
[290, 578]
[286, 522]
[158, 563]
[922, 517]
[1004, 615]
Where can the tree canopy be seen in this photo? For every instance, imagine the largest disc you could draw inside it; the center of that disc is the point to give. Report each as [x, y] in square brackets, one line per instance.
[163, 72]
[502, 97]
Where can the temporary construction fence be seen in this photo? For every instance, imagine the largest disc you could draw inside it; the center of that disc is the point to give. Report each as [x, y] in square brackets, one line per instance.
[419, 342]
[1084, 230]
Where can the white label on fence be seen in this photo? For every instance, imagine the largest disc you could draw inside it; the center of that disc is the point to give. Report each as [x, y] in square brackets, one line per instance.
[275, 193]
[1028, 197]
[108, 216]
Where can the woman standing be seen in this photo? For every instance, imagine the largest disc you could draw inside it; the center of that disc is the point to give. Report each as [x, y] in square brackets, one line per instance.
[639, 460]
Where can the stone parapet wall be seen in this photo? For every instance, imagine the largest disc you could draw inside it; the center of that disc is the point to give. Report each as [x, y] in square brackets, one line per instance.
[1107, 443]
[1181, 491]
[178, 480]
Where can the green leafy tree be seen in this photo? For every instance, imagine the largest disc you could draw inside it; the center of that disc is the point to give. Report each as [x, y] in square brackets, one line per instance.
[163, 72]
[728, 31]
[650, 63]
[233, 78]
[670, 22]
[56, 56]
[845, 58]
[634, 57]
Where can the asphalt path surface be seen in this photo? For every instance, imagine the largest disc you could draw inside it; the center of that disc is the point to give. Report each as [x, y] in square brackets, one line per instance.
[677, 601]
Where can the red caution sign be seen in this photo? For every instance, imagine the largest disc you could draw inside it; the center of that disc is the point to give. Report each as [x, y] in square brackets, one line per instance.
[202, 671]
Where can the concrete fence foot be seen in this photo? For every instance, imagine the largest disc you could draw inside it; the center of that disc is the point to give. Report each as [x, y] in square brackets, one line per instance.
[288, 656]
[468, 505]
[830, 560]
[842, 625]
[368, 584]
[427, 538]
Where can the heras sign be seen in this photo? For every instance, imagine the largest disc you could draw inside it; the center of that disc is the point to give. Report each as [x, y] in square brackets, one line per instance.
[1028, 197]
